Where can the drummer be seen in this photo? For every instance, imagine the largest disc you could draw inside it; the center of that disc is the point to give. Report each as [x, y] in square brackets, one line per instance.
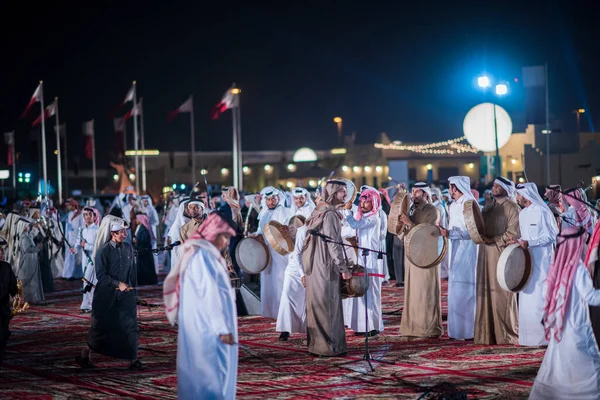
[538, 234]
[367, 222]
[272, 277]
[463, 267]
[303, 204]
[422, 316]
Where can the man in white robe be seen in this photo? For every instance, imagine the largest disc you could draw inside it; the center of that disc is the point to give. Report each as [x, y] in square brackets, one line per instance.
[271, 278]
[303, 204]
[72, 267]
[127, 208]
[174, 234]
[368, 225]
[292, 307]
[538, 235]
[462, 288]
[382, 235]
[436, 197]
[198, 296]
[85, 244]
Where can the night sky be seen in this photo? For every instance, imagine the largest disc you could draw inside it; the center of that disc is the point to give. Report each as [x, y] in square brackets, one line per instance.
[407, 71]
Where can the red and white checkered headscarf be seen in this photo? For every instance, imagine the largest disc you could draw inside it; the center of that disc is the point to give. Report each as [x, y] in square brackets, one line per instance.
[371, 195]
[214, 225]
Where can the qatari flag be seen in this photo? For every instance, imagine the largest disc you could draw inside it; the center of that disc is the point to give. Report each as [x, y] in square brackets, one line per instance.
[534, 84]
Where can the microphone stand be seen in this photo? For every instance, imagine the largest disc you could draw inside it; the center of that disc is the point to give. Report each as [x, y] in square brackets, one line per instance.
[365, 253]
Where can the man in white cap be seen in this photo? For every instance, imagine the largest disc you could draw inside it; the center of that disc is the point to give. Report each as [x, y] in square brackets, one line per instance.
[538, 234]
[422, 316]
[496, 317]
[114, 331]
[303, 204]
[463, 263]
[437, 200]
[272, 277]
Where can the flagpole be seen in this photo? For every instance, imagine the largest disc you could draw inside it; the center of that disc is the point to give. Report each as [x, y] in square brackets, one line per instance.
[193, 141]
[135, 140]
[58, 160]
[236, 177]
[239, 135]
[94, 158]
[66, 164]
[143, 145]
[548, 131]
[14, 165]
[45, 166]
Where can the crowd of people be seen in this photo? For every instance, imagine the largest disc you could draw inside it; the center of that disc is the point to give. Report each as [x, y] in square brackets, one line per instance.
[559, 307]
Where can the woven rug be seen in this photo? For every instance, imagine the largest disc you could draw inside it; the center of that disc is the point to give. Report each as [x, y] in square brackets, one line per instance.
[40, 360]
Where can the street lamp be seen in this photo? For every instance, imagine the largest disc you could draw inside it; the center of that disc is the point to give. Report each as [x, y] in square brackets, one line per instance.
[578, 112]
[338, 121]
[501, 89]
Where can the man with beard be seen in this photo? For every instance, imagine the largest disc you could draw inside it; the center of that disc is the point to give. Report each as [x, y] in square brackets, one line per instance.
[496, 318]
[114, 331]
[323, 263]
[422, 316]
[303, 204]
[195, 209]
[272, 277]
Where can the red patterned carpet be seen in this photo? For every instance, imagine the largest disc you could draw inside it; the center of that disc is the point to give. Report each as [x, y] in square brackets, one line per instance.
[39, 361]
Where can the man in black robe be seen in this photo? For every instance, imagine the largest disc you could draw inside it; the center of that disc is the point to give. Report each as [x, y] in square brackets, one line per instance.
[8, 287]
[114, 331]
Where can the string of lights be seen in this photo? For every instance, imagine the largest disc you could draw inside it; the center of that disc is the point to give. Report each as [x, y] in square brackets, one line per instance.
[453, 146]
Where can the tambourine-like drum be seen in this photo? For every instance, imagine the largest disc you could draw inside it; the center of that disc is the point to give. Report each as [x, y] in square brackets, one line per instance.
[355, 286]
[351, 189]
[294, 223]
[422, 246]
[474, 221]
[279, 238]
[514, 268]
[400, 205]
[252, 255]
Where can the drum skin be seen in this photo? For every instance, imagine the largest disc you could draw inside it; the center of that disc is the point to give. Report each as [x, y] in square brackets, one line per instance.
[252, 255]
[422, 246]
[514, 268]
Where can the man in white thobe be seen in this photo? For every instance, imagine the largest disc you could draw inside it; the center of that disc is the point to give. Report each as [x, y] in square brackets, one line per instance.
[368, 224]
[463, 263]
[198, 296]
[131, 204]
[303, 204]
[85, 244]
[382, 235]
[538, 235]
[272, 277]
[292, 307]
[436, 197]
[72, 267]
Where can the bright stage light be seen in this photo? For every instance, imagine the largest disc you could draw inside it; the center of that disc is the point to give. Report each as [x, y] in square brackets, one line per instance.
[478, 127]
[483, 81]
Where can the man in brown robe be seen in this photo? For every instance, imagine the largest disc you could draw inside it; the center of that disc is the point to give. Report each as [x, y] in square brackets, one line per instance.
[195, 209]
[496, 317]
[422, 315]
[324, 266]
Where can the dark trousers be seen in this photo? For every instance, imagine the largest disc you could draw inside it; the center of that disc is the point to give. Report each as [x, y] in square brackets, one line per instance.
[398, 258]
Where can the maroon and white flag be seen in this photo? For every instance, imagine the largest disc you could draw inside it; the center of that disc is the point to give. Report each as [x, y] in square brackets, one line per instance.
[9, 140]
[48, 112]
[130, 95]
[37, 96]
[186, 107]
[229, 100]
[88, 132]
[134, 111]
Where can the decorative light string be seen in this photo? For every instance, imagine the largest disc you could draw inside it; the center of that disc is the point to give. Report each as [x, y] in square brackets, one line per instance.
[453, 146]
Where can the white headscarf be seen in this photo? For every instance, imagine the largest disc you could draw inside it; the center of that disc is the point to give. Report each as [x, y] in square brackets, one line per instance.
[530, 192]
[462, 183]
[507, 185]
[270, 191]
[297, 192]
[424, 187]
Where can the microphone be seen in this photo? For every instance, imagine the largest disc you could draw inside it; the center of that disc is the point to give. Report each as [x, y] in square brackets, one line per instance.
[315, 232]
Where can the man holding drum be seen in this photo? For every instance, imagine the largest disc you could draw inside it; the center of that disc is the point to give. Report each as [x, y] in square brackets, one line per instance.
[538, 235]
[422, 315]
[463, 263]
[496, 319]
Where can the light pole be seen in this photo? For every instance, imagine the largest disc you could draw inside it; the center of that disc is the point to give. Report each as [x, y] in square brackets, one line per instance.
[501, 90]
[578, 112]
[338, 121]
